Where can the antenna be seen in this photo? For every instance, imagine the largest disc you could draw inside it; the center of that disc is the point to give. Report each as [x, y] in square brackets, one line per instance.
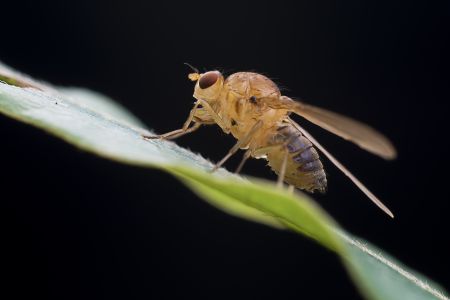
[193, 68]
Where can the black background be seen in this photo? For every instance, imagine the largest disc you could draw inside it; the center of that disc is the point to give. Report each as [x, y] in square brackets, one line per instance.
[81, 227]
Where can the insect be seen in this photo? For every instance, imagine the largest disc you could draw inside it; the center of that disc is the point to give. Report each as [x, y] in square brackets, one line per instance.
[250, 107]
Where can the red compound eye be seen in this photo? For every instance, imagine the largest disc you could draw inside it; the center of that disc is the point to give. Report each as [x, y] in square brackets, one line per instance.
[208, 79]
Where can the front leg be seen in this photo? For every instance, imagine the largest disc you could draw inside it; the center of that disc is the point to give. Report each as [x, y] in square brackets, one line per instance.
[217, 119]
[179, 132]
[175, 133]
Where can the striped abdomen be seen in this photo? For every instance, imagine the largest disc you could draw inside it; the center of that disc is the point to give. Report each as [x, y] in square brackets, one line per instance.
[304, 169]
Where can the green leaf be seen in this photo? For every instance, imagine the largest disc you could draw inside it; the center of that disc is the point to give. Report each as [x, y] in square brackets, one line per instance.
[94, 123]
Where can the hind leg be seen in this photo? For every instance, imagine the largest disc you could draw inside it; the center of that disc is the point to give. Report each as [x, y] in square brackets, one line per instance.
[282, 170]
[291, 189]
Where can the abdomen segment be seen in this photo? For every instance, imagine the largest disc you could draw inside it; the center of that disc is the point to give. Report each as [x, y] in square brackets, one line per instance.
[304, 169]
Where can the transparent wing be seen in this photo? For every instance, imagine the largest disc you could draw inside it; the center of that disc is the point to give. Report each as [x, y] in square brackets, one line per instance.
[343, 169]
[345, 127]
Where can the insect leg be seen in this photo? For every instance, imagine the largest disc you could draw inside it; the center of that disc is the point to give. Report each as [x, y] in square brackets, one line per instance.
[214, 115]
[240, 142]
[179, 132]
[244, 159]
[174, 135]
[256, 153]
[282, 170]
[291, 189]
[281, 175]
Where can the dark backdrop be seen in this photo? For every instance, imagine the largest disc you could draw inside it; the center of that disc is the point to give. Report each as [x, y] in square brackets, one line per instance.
[81, 227]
